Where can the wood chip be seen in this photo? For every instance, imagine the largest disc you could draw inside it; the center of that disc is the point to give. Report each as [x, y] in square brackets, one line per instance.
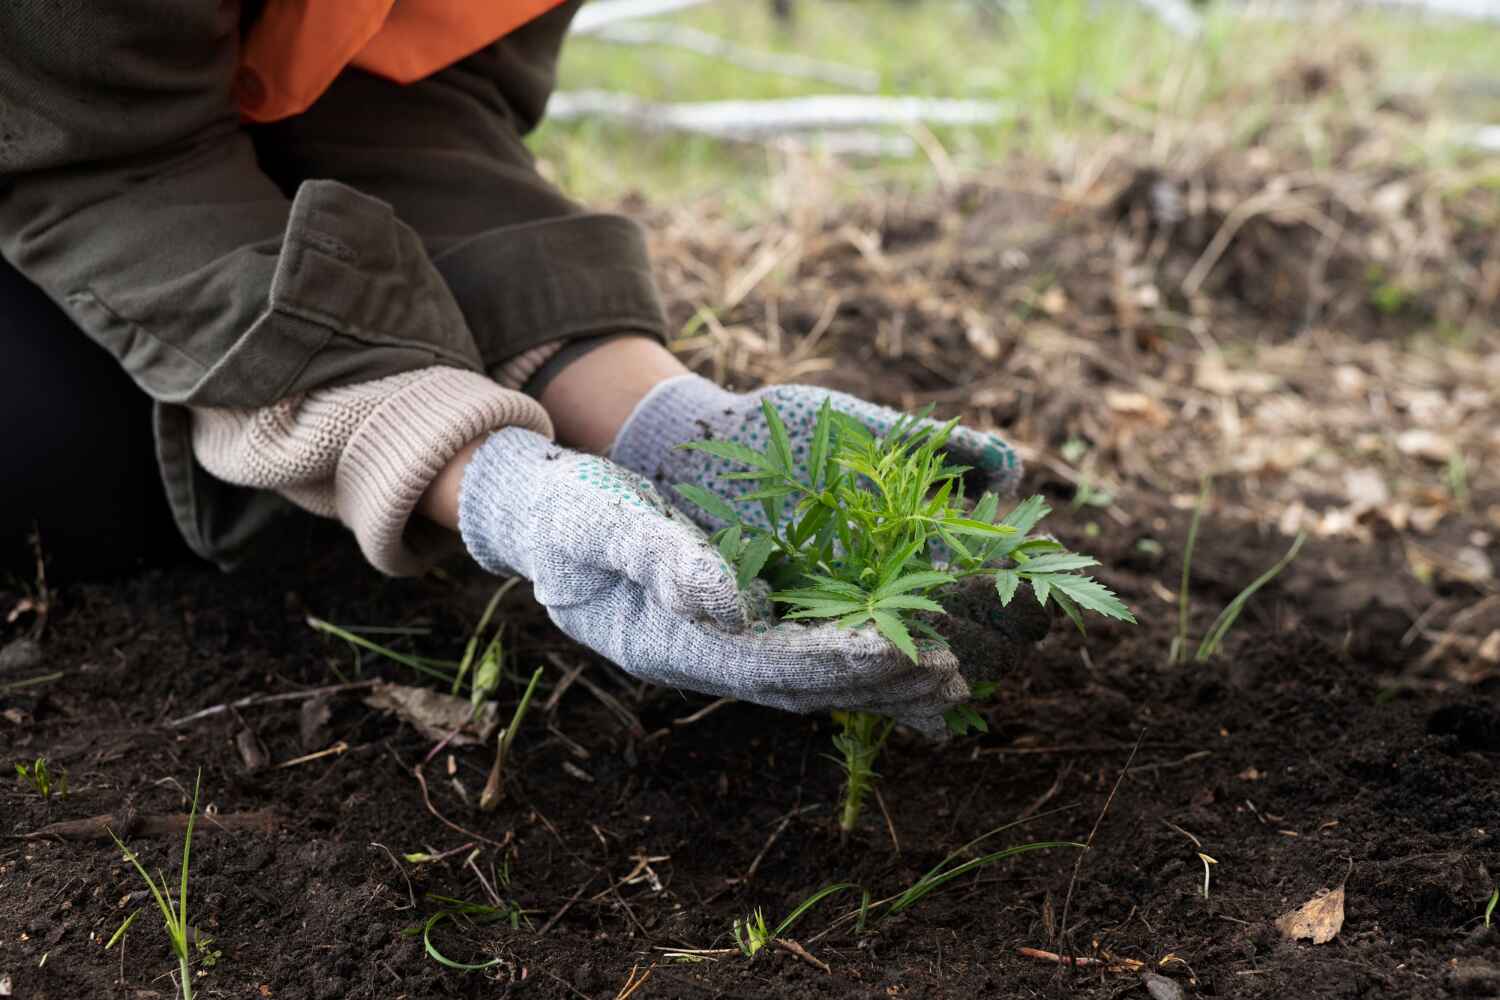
[1319, 919]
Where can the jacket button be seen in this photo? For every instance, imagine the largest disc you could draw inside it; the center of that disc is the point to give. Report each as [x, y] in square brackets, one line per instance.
[249, 88]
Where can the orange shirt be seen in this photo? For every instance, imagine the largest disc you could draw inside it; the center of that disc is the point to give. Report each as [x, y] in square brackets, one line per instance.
[296, 48]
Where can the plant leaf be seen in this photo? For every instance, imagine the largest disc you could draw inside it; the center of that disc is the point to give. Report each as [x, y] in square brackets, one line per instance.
[781, 445]
[913, 581]
[827, 611]
[708, 500]
[1006, 583]
[969, 526]
[910, 602]
[770, 493]
[890, 626]
[1091, 594]
[733, 452]
[1026, 514]
[1069, 608]
[1058, 562]
[729, 544]
[817, 459]
[1041, 586]
[754, 558]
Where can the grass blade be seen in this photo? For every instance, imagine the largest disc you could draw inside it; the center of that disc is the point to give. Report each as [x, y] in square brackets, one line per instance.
[1179, 646]
[810, 902]
[1231, 612]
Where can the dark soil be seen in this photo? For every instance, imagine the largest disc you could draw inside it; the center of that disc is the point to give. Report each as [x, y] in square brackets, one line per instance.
[1327, 745]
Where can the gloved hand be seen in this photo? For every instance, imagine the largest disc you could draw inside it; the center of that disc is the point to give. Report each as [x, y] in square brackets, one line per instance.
[622, 572]
[690, 408]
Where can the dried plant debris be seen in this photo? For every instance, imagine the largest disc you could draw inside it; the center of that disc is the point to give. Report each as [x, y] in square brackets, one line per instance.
[1318, 920]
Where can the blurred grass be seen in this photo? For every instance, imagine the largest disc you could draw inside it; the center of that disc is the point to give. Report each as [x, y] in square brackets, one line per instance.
[1067, 69]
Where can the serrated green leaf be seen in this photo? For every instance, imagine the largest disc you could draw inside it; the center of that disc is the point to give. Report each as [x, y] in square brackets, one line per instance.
[1026, 514]
[986, 508]
[843, 587]
[959, 549]
[856, 618]
[708, 500]
[753, 560]
[890, 626]
[909, 602]
[963, 719]
[1058, 562]
[1069, 608]
[913, 581]
[897, 561]
[826, 611]
[1006, 583]
[729, 543]
[781, 445]
[1092, 595]
[770, 493]
[1041, 586]
[969, 526]
[732, 451]
[817, 459]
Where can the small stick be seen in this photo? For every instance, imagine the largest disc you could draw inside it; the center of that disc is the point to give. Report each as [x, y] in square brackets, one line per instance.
[632, 984]
[609, 701]
[567, 906]
[340, 747]
[1167, 765]
[266, 699]
[98, 827]
[427, 801]
[570, 674]
[714, 706]
[1110, 965]
[780, 828]
[1089, 844]
[792, 947]
[30, 682]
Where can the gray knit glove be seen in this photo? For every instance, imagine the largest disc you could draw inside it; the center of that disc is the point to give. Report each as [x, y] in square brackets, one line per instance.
[622, 572]
[690, 408]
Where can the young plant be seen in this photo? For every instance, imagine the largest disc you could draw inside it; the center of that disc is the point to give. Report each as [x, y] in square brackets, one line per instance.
[494, 786]
[752, 933]
[175, 916]
[1231, 613]
[42, 779]
[869, 530]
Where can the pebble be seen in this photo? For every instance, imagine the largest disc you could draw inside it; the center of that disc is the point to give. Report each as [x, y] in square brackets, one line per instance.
[20, 654]
[1161, 988]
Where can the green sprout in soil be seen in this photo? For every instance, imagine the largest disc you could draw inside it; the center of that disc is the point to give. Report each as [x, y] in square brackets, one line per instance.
[752, 934]
[869, 532]
[174, 916]
[1222, 625]
[494, 786]
[43, 780]
[461, 911]
[1489, 910]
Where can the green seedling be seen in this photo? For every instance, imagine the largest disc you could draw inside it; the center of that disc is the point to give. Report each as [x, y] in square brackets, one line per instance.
[1222, 625]
[1489, 910]
[462, 911]
[494, 786]
[43, 780]
[174, 916]
[869, 530]
[752, 934]
[120, 931]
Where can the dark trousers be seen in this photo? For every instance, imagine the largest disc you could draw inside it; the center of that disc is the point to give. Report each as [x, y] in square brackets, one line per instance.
[77, 462]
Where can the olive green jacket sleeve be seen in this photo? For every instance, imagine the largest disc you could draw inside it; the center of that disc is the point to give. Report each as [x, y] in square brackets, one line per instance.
[232, 269]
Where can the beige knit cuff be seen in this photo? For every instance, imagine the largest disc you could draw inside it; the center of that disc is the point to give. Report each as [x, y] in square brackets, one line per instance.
[400, 448]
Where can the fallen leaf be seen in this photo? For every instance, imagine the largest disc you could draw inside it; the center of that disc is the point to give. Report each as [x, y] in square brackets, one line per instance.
[1319, 919]
[437, 715]
[1424, 444]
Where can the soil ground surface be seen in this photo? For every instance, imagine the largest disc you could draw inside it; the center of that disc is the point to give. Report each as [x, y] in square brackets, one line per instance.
[1131, 332]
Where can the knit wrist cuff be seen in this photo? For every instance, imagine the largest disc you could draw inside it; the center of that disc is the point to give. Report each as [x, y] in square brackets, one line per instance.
[398, 451]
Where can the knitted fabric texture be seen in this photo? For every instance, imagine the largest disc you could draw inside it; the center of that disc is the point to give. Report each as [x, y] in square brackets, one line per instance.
[625, 574]
[690, 408]
[364, 453]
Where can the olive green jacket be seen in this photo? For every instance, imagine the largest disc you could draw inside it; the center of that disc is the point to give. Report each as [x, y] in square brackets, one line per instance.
[388, 228]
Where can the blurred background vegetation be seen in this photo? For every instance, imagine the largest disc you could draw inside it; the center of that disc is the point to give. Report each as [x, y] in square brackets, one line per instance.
[1064, 72]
